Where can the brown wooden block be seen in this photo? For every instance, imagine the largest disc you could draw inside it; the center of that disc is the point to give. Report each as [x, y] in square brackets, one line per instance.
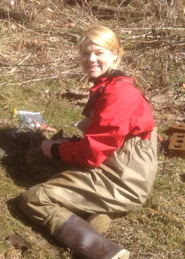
[176, 128]
[177, 145]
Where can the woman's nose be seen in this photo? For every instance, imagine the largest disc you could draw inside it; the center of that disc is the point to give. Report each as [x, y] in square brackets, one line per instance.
[92, 57]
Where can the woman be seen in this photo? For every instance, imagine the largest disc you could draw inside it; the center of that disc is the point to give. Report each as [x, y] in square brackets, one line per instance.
[113, 166]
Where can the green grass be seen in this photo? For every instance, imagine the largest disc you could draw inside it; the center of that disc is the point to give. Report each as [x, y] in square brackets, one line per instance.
[156, 230]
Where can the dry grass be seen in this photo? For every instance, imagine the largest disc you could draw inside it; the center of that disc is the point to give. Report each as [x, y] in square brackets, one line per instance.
[39, 61]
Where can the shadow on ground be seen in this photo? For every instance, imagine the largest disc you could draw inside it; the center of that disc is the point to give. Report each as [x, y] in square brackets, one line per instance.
[14, 145]
[38, 234]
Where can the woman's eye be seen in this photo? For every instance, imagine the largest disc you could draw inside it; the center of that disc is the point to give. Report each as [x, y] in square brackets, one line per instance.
[86, 54]
[99, 53]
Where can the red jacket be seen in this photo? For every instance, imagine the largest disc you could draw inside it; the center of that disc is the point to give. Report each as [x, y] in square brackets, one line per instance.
[119, 112]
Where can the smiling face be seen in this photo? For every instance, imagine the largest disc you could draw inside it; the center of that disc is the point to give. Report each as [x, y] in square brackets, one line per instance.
[95, 59]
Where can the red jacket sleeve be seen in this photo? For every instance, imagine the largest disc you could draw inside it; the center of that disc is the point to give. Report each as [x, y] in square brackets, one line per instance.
[119, 110]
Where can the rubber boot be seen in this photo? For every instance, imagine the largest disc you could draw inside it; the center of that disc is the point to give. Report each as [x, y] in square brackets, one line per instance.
[86, 242]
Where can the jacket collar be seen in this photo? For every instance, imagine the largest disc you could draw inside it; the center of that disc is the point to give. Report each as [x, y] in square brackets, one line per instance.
[111, 73]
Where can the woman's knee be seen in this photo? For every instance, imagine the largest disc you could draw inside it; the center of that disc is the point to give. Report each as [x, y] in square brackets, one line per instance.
[32, 203]
[26, 199]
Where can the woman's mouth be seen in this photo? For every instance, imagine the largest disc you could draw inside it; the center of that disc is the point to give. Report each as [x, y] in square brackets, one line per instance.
[93, 67]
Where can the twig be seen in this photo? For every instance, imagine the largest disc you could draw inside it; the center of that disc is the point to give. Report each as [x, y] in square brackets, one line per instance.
[149, 28]
[29, 81]
[165, 165]
[13, 69]
[6, 82]
[33, 65]
[64, 13]
[171, 217]
[118, 8]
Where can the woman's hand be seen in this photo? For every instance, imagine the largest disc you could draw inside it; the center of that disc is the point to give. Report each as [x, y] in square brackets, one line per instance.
[46, 146]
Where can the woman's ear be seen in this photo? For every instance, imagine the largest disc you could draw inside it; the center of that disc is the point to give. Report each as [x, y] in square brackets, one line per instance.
[115, 55]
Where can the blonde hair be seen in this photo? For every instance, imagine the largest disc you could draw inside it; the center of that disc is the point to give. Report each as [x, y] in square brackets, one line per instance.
[105, 38]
